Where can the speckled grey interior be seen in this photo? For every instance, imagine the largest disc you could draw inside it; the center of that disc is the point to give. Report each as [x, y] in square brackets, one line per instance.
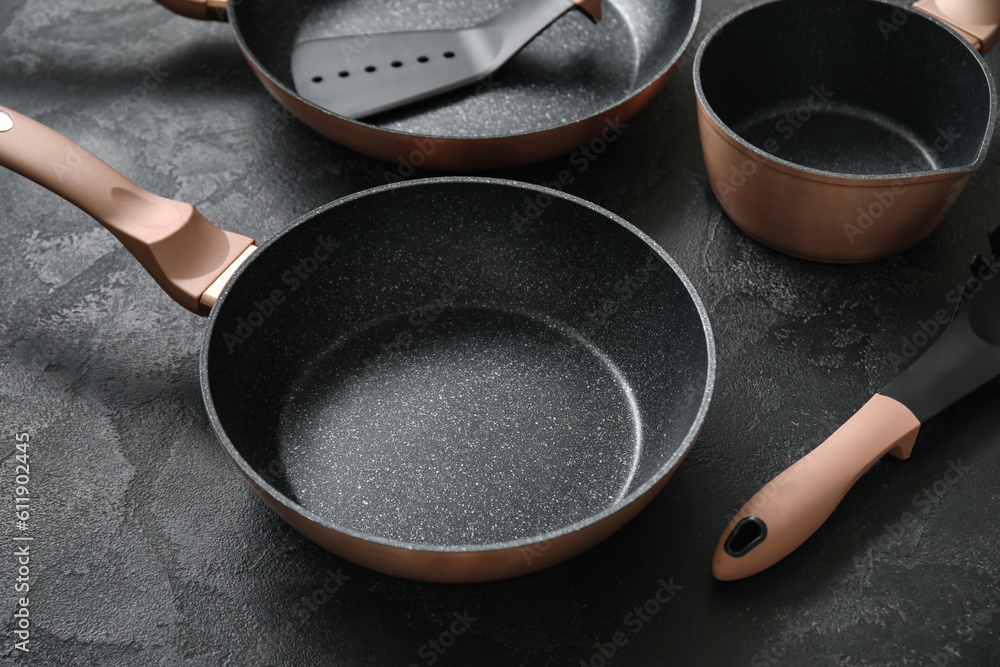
[452, 376]
[574, 69]
[848, 86]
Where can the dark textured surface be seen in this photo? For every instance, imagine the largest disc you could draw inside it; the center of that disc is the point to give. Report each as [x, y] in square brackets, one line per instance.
[150, 548]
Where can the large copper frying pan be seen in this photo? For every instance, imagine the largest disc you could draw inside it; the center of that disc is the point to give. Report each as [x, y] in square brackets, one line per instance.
[426, 378]
[563, 90]
[843, 130]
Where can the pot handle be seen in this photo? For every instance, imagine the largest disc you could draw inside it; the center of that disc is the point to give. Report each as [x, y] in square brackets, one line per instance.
[206, 10]
[978, 21]
[184, 252]
[793, 505]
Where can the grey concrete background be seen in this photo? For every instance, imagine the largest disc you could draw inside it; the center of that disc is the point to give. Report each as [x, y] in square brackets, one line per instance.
[150, 549]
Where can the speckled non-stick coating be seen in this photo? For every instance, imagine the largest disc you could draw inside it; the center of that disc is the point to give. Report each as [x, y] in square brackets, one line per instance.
[855, 88]
[464, 363]
[573, 70]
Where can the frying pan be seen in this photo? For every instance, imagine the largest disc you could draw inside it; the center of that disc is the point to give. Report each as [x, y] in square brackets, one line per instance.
[561, 91]
[454, 379]
[843, 130]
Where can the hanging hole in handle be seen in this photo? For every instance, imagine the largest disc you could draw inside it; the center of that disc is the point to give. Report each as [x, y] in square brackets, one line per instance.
[746, 535]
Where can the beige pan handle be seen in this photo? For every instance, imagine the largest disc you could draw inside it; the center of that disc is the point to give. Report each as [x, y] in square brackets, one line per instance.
[207, 10]
[184, 252]
[978, 21]
[793, 505]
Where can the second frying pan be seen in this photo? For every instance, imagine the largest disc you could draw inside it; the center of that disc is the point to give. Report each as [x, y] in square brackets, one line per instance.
[564, 89]
[453, 379]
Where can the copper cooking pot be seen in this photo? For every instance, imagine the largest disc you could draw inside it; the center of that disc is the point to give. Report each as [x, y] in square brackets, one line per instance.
[844, 130]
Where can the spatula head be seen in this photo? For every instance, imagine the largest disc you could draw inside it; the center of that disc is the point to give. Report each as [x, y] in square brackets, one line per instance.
[361, 75]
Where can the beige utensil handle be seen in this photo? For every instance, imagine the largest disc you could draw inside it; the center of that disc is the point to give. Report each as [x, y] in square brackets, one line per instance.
[182, 250]
[793, 505]
[206, 10]
[978, 21]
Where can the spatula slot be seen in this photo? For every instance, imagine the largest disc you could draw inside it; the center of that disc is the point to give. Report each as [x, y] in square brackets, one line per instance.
[343, 74]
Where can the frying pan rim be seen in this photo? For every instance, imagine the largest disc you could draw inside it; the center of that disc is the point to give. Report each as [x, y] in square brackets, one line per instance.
[825, 175]
[635, 91]
[680, 450]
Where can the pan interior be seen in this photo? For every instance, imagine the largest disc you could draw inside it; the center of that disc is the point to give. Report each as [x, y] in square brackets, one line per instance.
[849, 86]
[451, 376]
[468, 420]
[574, 69]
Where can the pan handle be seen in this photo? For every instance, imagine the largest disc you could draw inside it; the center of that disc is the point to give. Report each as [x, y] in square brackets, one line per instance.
[206, 10]
[793, 505]
[978, 21]
[184, 252]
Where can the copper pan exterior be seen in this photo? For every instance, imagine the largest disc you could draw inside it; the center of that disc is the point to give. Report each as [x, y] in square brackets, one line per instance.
[456, 154]
[455, 567]
[819, 216]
